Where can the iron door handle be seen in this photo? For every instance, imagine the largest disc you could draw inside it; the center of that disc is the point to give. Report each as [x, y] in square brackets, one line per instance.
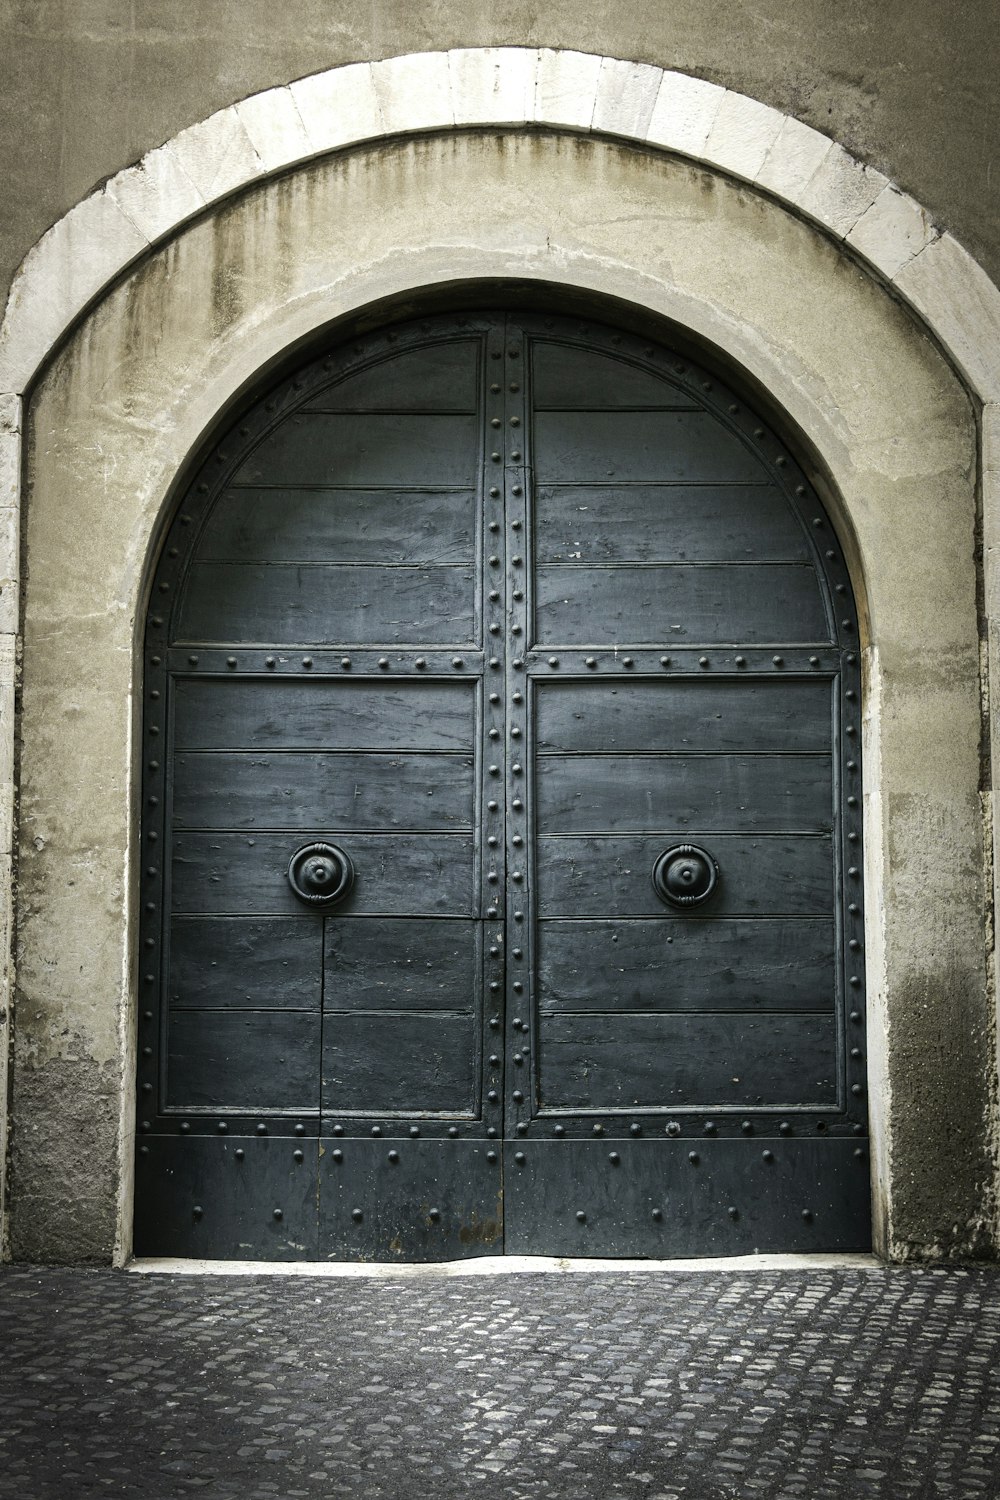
[320, 874]
[685, 875]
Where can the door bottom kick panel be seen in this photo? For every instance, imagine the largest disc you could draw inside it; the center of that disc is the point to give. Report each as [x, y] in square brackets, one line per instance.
[226, 1198]
[678, 1198]
[405, 1200]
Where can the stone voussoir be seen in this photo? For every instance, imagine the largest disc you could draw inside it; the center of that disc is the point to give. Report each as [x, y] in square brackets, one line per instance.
[493, 85]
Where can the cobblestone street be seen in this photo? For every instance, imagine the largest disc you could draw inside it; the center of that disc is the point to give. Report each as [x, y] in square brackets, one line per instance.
[695, 1385]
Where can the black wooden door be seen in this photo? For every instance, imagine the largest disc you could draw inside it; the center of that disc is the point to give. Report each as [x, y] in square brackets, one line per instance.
[501, 737]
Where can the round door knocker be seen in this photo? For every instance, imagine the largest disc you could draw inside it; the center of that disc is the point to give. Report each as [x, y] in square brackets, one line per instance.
[320, 874]
[685, 875]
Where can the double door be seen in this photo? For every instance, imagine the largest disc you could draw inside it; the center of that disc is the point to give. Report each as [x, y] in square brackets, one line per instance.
[501, 734]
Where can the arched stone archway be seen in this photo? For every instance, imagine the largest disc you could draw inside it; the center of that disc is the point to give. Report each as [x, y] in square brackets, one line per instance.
[118, 413]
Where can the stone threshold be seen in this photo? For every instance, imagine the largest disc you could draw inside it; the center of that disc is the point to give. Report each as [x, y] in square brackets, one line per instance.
[497, 1265]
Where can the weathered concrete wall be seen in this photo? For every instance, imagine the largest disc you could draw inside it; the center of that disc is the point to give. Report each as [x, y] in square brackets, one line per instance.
[89, 85]
[123, 406]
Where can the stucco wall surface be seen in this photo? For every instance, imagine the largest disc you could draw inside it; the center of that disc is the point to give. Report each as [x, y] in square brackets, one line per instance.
[89, 85]
[146, 374]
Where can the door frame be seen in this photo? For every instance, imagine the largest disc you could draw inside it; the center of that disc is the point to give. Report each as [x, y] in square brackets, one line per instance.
[918, 584]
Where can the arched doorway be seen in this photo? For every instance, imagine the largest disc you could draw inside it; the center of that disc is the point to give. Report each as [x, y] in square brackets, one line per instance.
[501, 743]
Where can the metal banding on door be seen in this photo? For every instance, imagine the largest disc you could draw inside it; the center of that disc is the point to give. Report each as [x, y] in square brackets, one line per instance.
[501, 721]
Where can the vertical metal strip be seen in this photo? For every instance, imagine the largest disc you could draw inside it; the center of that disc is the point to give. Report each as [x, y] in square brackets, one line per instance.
[493, 813]
[519, 1092]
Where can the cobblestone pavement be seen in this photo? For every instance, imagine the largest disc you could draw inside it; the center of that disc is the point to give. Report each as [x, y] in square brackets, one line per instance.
[699, 1385]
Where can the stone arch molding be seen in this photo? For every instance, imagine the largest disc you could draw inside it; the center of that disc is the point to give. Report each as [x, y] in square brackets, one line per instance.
[279, 128]
[267, 133]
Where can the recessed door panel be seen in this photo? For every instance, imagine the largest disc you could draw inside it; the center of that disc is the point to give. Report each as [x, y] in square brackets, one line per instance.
[501, 847]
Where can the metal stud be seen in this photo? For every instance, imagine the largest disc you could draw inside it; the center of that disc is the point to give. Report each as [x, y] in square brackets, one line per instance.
[278, 1214]
[517, 1096]
[767, 1155]
[559, 1130]
[598, 1129]
[420, 662]
[747, 1127]
[239, 1153]
[298, 1156]
[357, 1215]
[393, 1156]
[741, 661]
[591, 661]
[658, 1214]
[581, 1216]
[703, 661]
[414, 1131]
[345, 662]
[693, 1158]
[709, 1127]
[664, 661]
[553, 661]
[456, 661]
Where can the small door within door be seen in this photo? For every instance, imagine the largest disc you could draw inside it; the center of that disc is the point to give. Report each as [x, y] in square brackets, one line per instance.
[501, 731]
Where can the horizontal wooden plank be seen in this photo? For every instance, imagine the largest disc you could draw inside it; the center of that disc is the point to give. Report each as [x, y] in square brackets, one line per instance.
[438, 375]
[230, 713]
[722, 965]
[341, 526]
[666, 523]
[704, 714]
[395, 874]
[681, 605]
[388, 1064]
[640, 447]
[318, 448]
[257, 1060]
[285, 604]
[401, 963]
[598, 877]
[565, 375]
[724, 793]
[672, 1061]
[343, 789]
[234, 963]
